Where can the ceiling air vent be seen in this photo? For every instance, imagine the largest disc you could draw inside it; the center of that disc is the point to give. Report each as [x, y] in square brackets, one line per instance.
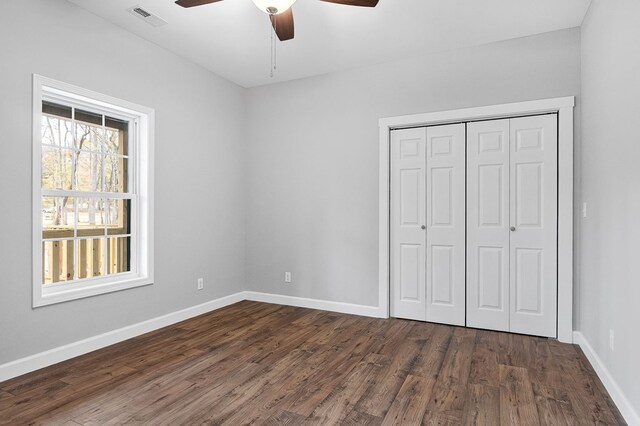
[146, 16]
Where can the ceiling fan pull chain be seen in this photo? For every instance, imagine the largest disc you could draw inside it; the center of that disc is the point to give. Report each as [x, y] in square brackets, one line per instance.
[275, 48]
[273, 44]
[271, 58]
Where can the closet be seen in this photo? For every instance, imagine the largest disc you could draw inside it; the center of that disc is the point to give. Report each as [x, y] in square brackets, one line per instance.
[473, 224]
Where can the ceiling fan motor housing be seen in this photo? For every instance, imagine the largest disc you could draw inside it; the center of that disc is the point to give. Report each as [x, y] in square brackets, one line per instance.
[274, 7]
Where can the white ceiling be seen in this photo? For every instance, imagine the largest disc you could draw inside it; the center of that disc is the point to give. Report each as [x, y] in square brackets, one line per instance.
[232, 37]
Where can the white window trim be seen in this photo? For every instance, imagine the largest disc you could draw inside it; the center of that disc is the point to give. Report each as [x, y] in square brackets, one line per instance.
[564, 107]
[142, 225]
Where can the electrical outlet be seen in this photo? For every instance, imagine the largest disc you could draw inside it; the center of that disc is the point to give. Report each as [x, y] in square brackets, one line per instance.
[287, 277]
[584, 209]
[611, 341]
[200, 283]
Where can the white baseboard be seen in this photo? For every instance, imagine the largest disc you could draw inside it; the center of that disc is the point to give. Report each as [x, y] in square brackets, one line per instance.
[325, 305]
[618, 396]
[62, 353]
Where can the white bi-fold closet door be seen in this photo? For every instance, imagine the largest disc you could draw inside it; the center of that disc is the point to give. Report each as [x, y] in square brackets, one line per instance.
[512, 221]
[428, 224]
[474, 224]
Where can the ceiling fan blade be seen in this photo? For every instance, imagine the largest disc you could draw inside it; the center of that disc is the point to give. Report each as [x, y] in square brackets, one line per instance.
[283, 25]
[362, 3]
[192, 3]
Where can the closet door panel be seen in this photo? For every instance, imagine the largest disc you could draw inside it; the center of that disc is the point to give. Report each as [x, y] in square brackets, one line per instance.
[445, 239]
[488, 224]
[534, 206]
[408, 188]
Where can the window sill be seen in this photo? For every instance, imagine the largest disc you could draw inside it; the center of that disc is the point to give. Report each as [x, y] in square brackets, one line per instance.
[88, 288]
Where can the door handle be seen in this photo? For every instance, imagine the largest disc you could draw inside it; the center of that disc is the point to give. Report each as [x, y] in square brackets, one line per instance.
[423, 227]
[513, 228]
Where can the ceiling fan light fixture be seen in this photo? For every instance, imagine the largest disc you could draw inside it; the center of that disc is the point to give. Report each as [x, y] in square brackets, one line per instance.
[274, 7]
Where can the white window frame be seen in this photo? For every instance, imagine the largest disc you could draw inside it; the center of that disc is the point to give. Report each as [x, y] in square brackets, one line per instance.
[141, 137]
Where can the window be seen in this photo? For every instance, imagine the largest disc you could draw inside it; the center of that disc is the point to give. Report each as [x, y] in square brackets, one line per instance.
[92, 162]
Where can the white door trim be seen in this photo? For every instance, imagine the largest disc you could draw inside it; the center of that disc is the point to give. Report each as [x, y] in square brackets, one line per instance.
[564, 108]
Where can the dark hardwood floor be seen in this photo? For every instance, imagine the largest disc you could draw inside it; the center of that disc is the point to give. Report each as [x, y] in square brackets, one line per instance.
[255, 363]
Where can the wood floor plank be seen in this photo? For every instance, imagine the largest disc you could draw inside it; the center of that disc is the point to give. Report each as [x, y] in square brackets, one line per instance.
[484, 368]
[255, 391]
[322, 383]
[394, 337]
[422, 330]
[554, 406]
[515, 350]
[379, 394]
[342, 400]
[277, 397]
[179, 408]
[482, 405]
[27, 408]
[284, 418]
[433, 352]
[440, 419]
[517, 401]
[6, 400]
[39, 379]
[450, 389]
[410, 404]
[120, 399]
[256, 363]
[587, 398]
[346, 356]
[446, 405]
[357, 418]
[544, 369]
[122, 410]
[263, 392]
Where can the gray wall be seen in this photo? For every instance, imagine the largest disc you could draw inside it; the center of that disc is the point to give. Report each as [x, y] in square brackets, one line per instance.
[199, 222]
[312, 200]
[610, 248]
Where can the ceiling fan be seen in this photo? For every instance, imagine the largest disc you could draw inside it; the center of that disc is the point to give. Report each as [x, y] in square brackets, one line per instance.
[279, 11]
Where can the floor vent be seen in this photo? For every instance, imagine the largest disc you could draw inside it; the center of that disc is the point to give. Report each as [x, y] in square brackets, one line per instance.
[147, 16]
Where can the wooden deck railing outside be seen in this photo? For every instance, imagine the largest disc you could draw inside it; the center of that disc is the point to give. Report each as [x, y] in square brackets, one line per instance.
[58, 258]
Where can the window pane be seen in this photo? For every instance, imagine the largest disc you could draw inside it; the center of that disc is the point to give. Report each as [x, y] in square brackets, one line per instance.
[57, 131]
[57, 217]
[118, 217]
[90, 257]
[57, 261]
[89, 137]
[56, 109]
[91, 217]
[89, 117]
[89, 172]
[57, 166]
[115, 141]
[119, 254]
[115, 176]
